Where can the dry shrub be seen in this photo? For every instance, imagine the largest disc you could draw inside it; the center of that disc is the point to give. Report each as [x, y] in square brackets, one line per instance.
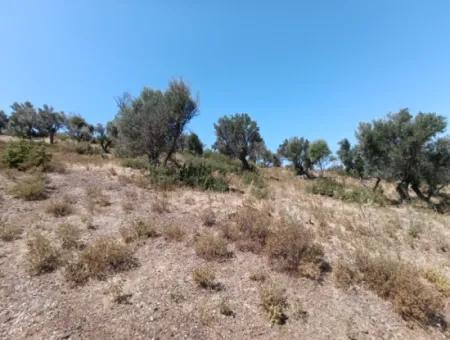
[30, 188]
[59, 208]
[274, 302]
[208, 217]
[161, 204]
[258, 276]
[252, 229]
[96, 196]
[104, 256]
[9, 232]
[399, 283]
[69, 235]
[441, 283]
[205, 278]
[117, 292]
[173, 232]
[42, 255]
[225, 309]
[211, 247]
[291, 248]
[139, 230]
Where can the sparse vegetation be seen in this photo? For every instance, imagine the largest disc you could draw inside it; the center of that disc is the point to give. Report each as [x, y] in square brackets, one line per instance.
[205, 277]
[210, 247]
[30, 188]
[103, 257]
[208, 217]
[9, 232]
[59, 208]
[274, 302]
[173, 232]
[69, 236]
[42, 255]
[252, 229]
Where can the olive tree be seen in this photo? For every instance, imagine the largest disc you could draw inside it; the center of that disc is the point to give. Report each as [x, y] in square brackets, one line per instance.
[193, 144]
[237, 136]
[22, 121]
[319, 153]
[350, 158]
[3, 121]
[102, 136]
[296, 150]
[407, 150]
[79, 129]
[48, 122]
[152, 123]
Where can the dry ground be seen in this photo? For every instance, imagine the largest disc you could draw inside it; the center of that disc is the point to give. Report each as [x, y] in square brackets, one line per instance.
[164, 301]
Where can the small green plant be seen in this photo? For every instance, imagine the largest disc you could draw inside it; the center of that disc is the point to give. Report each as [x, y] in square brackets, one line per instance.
[42, 255]
[24, 155]
[274, 302]
[211, 247]
[30, 188]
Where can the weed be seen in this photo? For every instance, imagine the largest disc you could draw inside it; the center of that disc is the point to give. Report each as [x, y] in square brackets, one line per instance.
[42, 255]
[30, 188]
[69, 235]
[208, 217]
[211, 247]
[253, 229]
[274, 302]
[59, 208]
[173, 232]
[205, 278]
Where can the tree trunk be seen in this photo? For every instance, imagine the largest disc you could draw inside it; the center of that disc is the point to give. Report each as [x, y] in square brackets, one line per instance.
[402, 190]
[245, 165]
[377, 183]
[51, 137]
[419, 193]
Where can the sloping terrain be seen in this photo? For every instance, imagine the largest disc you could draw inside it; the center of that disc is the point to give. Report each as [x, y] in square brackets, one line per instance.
[157, 297]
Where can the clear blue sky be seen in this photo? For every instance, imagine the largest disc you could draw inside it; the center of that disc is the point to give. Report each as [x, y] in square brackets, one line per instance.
[300, 68]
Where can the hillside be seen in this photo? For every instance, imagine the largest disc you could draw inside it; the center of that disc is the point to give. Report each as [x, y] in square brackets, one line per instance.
[103, 253]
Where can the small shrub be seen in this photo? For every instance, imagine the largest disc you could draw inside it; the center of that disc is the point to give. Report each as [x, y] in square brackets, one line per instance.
[128, 234]
[225, 309]
[59, 208]
[291, 248]
[103, 257]
[200, 175]
[135, 163]
[441, 283]
[117, 292]
[96, 196]
[173, 232]
[205, 278]
[253, 229]
[415, 230]
[85, 148]
[211, 247]
[9, 232]
[274, 302]
[258, 277]
[24, 155]
[30, 188]
[69, 236]
[399, 283]
[208, 217]
[139, 230]
[42, 256]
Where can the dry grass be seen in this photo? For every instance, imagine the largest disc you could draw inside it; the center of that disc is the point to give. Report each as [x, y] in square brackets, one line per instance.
[291, 248]
[9, 232]
[139, 230]
[252, 229]
[208, 217]
[69, 236]
[95, 196]
[59, 208]
[103, 257]
[30, 188]
[441, 283]
[396, 282]
[161, 204]
[173, 232]
[258, 276]
[210, 246]
[274, 302]
[42, 255]
[204, 277]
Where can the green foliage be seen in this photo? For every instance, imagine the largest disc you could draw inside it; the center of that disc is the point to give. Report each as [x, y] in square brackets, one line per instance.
[201, 175]
[351, 159]
[79, 129]
[295, 150]
[331, 188]
[135, 163]
[24, 155]
[194, 145]
[3, 121]
[238, 137]
[102, 136]
[48, 122]
[404, 148]
[22, 121]
[153, 123]
[319, 153]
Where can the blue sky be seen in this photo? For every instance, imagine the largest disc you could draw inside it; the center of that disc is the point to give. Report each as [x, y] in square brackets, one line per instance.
[300, 68]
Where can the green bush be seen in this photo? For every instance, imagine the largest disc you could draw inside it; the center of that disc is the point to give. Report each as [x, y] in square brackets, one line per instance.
[135, 163]
[331, 188]
[24, 155]
[85, 148]
[201, 176]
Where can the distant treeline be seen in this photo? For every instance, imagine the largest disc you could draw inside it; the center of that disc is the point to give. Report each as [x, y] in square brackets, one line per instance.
[408, 150]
